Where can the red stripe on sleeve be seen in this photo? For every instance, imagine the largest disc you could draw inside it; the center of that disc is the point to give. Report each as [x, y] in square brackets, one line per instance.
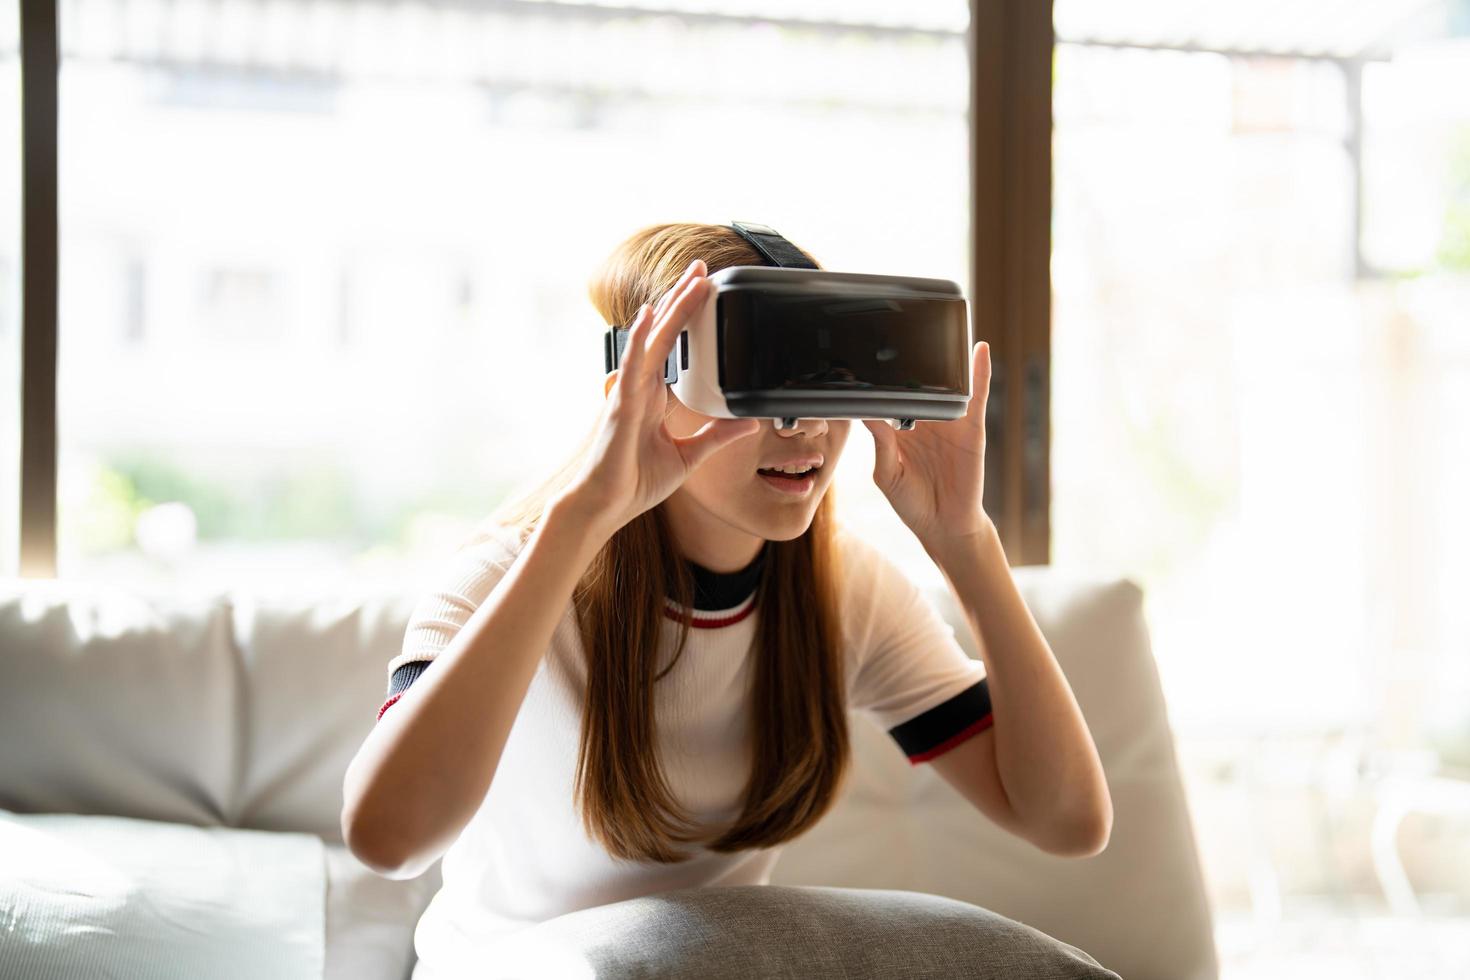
[387, 704]
[955, 739]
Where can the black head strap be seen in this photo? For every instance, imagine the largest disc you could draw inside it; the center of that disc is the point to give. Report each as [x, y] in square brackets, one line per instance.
[614, 339]
[775, 249]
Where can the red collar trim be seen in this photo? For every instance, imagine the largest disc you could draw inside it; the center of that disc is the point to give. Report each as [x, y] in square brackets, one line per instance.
[702, 619]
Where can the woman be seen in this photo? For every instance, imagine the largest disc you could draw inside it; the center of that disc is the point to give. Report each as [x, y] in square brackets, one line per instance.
[637, 678]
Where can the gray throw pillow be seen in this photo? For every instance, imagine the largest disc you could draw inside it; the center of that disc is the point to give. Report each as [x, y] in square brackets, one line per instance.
[772, 932]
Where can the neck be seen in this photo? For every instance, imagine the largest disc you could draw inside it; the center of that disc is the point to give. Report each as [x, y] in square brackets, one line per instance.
[709, 542]
[724, 590]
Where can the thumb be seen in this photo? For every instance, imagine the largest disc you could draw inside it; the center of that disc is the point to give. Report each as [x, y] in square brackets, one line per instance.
[713, 436]
[883, 440]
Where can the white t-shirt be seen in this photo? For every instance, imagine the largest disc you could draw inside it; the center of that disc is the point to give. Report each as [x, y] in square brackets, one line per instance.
[524, 857]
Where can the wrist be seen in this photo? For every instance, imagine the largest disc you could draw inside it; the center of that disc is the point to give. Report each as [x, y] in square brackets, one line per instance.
[984, 537]
[582, 518]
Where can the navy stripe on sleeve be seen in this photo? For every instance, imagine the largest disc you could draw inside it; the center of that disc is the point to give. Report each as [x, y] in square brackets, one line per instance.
[947, 724]
[405, 675]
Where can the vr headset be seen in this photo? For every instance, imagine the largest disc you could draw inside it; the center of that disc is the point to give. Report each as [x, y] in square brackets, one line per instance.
[787, 340]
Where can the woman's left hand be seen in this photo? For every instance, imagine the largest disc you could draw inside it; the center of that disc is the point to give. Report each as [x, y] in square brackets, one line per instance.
[934, 473]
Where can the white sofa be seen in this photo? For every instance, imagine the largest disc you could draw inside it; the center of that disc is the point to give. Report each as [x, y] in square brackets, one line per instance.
[171, 776]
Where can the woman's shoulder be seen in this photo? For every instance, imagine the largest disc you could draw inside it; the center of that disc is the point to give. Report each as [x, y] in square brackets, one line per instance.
[857, 554]
[863, 567]
[871, 578]
[494, 542]
[491, 544]
[475, 564]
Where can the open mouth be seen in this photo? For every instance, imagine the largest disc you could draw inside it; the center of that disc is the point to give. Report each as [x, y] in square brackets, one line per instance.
[791, 482]
[791, 477]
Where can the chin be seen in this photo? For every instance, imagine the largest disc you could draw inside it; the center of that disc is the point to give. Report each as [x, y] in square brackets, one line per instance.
[785, 534]
[792, 524]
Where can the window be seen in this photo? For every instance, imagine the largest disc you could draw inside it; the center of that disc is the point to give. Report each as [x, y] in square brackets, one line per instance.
[1257, 409]
[348, 244]
[1261, 367]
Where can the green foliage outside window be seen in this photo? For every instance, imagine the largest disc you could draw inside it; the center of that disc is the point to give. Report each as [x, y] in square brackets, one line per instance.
[1454, 244]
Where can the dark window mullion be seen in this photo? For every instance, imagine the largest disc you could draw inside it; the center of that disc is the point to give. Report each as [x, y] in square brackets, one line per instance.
[1011, 43]
[38, 65]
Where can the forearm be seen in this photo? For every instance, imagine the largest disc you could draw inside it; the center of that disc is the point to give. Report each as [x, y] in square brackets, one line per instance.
[426, 766]
[1044, 753]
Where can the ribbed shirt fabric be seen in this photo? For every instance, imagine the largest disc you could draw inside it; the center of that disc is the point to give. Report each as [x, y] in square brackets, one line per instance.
[524, 857]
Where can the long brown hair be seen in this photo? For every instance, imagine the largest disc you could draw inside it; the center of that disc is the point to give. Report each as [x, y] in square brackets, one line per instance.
[798, 715]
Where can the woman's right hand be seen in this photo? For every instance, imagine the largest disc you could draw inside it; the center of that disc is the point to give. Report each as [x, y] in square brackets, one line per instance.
[634, 463]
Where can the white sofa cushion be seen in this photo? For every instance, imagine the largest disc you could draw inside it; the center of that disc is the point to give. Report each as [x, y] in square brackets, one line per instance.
[1140, 906]
[315, 673]
[87, 895]
[117, 702]
[371, 919]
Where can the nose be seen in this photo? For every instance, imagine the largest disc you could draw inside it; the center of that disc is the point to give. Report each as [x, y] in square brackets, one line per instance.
[808, 427]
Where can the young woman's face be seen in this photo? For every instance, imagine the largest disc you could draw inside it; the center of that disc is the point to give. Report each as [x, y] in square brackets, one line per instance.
[728, 507]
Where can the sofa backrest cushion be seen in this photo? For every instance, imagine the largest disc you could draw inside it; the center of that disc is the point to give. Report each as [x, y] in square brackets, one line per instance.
[315, 676]
[113, 702]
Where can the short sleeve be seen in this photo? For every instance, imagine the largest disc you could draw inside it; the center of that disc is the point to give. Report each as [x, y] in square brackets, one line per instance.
[911, 674]
[465, 581]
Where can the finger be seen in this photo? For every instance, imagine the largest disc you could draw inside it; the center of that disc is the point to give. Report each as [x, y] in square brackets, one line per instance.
[631, 368]
[982, 376]
[632, 359]
[883, 435]
[884, 449]
[676, 318]
[713, 436]
[696, 268]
